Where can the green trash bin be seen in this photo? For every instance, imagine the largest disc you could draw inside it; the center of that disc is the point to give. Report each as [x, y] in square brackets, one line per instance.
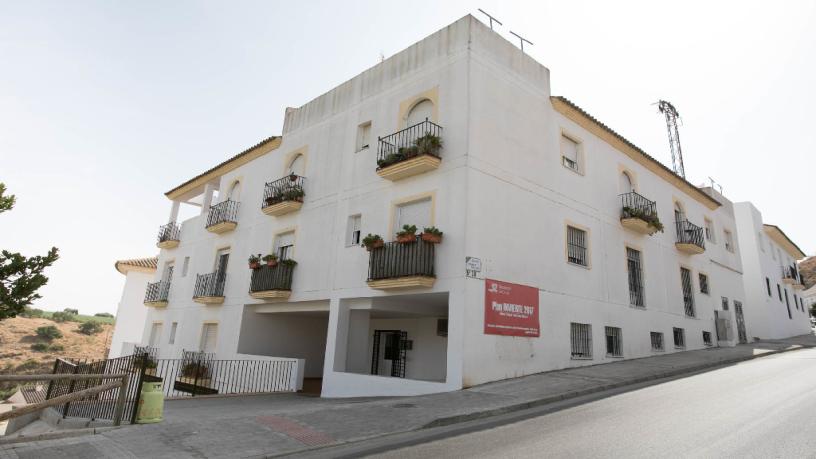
[151, 403]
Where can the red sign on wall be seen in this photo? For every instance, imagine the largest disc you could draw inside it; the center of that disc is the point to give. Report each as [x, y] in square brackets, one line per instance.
[511, 309]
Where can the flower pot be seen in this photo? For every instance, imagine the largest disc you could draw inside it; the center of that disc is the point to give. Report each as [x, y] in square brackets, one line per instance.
[378, 244]
[255, 265]
[432, 238]
[272, 263]
[293, 178]
[406, 238]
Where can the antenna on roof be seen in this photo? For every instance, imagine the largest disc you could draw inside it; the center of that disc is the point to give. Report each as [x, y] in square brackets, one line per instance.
[715, 184]
[522, 39]
[491, 18]
[672, 117]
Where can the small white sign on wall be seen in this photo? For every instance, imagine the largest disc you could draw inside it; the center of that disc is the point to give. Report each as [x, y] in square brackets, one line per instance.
[473, 267]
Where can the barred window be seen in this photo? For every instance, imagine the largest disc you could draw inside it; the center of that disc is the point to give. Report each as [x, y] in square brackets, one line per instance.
[768, 284]
[688, 294]
[614, 342]
[679, 337]
[707, 338]
[724, 303]
[657, 340]
[635, 277]
[703, 283]
[577, 246]
[581, 340]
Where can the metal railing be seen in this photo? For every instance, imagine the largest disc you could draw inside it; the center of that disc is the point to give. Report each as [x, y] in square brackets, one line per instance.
[289, 188]
[223, 212]
[157, 291]
[401, 145]
[169, 232]
[211, 284]
[790, 272]
[396, 259]
[689, 233]
[272, 278]
[634, 205]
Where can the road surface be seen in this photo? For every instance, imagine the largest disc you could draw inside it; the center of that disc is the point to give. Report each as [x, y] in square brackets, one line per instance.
[760, 408]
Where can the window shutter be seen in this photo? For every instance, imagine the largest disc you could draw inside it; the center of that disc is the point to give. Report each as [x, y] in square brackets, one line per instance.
[420, 112]
[569, 149]
[415, 213]
[208, 336]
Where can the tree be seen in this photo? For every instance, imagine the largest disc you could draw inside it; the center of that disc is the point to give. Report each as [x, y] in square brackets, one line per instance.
[71, 311]
[20, 277]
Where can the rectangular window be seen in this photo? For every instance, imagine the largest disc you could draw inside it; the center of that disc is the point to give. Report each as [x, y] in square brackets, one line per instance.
[724, 303]
[679, 337]
[635, 277]
[707, 338]
[614, 342]
[657, 340]
[709, 230]
[363, 136]
[155, 334]
[779, 291]
[581, 341]
[570, 154]
[185, 266]
[209, 336]
[787, 301]
[688, 293]
[729, 241]
[284, 245]
[353, 230]
[703, 283]
[173, 329]
[417, 213]
[768, 284]
[577, 246]
[796, 301]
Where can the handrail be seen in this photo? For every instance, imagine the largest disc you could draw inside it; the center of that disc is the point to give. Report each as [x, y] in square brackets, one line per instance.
[689, 233]
[157, 291]
[211, 284]
[62, 399]
[289, 188]
[401, 144]
[225, 211]
[169, 232]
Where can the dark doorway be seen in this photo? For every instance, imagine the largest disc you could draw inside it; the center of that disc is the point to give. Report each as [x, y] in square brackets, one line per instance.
[389, 346]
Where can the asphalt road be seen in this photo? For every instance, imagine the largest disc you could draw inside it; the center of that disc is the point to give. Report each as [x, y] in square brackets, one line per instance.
[760, 408]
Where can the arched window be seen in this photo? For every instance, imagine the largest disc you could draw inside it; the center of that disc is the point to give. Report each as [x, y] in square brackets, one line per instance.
[679, 215]
[626, 185]
[420, 112]
[235, 191]
[297, 165]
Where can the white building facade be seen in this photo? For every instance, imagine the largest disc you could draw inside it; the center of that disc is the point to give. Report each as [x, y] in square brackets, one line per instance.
[131, 313]
[550, 258]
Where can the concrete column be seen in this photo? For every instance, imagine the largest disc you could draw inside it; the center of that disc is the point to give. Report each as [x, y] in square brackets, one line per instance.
[209, 189]
[174, 210]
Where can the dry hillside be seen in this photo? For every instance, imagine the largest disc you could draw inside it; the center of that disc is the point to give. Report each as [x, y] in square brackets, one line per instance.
[808, 270]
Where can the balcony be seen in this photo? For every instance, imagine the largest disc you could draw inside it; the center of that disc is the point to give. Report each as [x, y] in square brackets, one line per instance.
[283, 196]
[157, 293]
[209, 288]
[689, 238]
[271, 282]
[223, 217]
[168, 236]
[791, 276]
[398, 265]
[639, 214]
[411, 151]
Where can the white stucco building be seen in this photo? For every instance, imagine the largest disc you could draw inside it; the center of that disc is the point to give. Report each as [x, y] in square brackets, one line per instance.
[550, 256]
[130, 312]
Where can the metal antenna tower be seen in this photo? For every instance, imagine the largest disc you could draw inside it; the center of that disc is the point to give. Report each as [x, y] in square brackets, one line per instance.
[522, 39]
[672, 116]
[492, 19]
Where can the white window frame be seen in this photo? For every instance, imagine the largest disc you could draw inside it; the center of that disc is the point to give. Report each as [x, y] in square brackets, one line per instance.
[354, 230]
[362, 142]
[577, 165]
[173, 331]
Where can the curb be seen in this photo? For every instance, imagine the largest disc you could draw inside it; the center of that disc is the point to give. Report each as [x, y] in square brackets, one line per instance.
[56, 435]
[456, 419]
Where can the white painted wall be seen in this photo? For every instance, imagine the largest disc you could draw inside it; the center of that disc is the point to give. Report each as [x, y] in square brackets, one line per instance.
[130, 313]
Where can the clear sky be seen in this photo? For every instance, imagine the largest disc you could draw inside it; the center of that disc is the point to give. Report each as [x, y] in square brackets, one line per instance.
[106, 105]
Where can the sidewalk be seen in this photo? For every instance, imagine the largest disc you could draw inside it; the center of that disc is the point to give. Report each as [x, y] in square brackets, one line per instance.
[253, 426]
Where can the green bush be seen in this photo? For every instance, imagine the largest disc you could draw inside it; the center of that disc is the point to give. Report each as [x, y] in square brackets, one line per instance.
[90, 327]
[39, 347]
[48, 332]
[103, 314]
[56, 348]
[62, 316]
[71, 311]
[31, 312]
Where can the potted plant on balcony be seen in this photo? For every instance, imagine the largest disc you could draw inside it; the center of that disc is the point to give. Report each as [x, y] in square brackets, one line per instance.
[271, 260]
[255, 261]
[288, 262]
[293, 177]
[373, 241]
[407, 234]
[431, 234]
[649, 217]
[294, 193]
[428, 144]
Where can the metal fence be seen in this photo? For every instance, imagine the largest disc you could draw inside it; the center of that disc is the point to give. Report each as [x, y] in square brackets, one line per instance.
[396, 259]
[637, 206]
[267, 278]
[169, 232]
[222, 212]
[402, 145]
[289, 188]
[211, 284]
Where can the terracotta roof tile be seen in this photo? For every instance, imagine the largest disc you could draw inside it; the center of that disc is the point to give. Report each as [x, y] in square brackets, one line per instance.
[139, 264]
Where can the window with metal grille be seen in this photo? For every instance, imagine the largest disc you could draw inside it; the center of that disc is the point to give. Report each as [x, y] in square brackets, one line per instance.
[577, 246]
[614, 342]
[657, 340]
[724, 303]
[635, 277]
[581, 341]
[679, 337]
[768, 284]
[703, 283]
[707, 338]
[688, 293]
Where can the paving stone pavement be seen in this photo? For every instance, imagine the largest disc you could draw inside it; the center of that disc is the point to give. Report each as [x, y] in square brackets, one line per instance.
[257, 426]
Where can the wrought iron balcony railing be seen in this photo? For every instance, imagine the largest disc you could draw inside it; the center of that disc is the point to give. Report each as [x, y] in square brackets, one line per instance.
[689, 233]
[790, 272]
[289, 188]
[157, 292]
[169, 232]
[634, 205]
[420, 139]
[223, 212]
[396, 259]
[210, 285]
[268, 278]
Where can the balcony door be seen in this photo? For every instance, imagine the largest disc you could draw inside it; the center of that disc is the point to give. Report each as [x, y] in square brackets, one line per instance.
[221, 261]
[209, 336]
[413, 213]
[420, 112]
[284, 245]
